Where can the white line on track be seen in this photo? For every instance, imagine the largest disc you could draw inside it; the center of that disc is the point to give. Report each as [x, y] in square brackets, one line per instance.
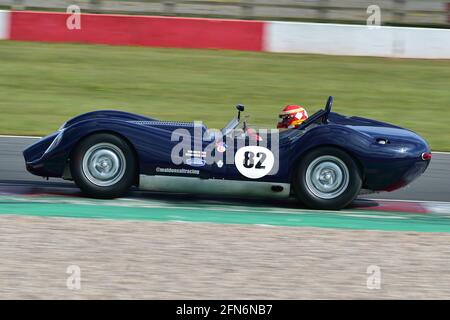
[270, 210]
[374, 216]
[19, 137]
[415, 201]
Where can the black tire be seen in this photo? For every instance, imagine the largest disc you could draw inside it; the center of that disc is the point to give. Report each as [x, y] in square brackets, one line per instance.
[108, 154]
[325, 167]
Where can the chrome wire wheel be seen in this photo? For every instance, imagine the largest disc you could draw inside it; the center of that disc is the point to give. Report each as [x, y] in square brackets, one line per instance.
[327, 177]
[104, 164]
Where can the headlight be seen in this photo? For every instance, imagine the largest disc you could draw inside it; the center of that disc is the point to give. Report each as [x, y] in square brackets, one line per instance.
[55, 142]
[382, 141]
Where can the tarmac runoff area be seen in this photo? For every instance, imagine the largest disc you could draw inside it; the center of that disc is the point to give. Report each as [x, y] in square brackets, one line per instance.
[365, 214]
[169, 248]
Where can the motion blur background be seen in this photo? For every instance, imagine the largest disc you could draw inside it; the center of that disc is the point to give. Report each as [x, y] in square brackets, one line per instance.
[273, 53]
[43, 84]
[395, 12]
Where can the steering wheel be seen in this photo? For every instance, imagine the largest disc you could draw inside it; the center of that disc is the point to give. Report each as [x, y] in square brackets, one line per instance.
[327, 109]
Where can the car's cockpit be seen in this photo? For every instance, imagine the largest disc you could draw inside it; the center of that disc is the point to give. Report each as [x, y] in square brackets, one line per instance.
[320, 117]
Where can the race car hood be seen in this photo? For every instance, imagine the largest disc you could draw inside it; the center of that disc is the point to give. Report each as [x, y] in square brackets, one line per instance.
[102, 114]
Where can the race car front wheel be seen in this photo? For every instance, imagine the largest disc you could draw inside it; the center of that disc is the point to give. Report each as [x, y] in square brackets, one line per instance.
[327, 178]
[103, 166]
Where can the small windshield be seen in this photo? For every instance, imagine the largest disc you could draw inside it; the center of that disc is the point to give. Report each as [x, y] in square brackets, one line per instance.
[230, 126]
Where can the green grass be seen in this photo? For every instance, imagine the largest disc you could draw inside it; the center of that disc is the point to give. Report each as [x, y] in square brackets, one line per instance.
[42, 85]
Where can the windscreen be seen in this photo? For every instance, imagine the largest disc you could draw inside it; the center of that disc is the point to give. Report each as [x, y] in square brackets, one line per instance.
[230, 126]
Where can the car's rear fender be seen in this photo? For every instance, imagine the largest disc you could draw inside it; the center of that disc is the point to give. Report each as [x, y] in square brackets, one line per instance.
[332, 136]
[383, 166]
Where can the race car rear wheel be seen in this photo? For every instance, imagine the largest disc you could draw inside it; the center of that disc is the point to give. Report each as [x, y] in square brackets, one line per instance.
[103, 166]
[327, 178]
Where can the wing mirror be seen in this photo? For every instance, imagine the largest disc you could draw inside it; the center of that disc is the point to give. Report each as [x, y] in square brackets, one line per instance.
[240, 109]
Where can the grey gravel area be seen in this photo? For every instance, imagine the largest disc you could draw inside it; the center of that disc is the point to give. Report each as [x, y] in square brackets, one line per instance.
[135, 259]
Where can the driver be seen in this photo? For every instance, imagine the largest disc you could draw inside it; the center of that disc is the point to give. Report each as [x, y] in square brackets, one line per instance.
[292, 116]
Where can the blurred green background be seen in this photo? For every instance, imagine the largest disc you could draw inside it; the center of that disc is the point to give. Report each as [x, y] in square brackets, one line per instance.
[42, 85]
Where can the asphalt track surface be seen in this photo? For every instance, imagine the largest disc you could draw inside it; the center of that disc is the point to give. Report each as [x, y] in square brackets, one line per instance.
[433, 185]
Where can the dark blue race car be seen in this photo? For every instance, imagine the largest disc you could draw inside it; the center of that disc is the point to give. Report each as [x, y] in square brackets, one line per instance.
[326, 162]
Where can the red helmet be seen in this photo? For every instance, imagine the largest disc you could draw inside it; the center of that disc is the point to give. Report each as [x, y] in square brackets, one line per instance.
[292, 116]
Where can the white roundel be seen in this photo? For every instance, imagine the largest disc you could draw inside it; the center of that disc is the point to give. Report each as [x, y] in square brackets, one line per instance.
[254, 162]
